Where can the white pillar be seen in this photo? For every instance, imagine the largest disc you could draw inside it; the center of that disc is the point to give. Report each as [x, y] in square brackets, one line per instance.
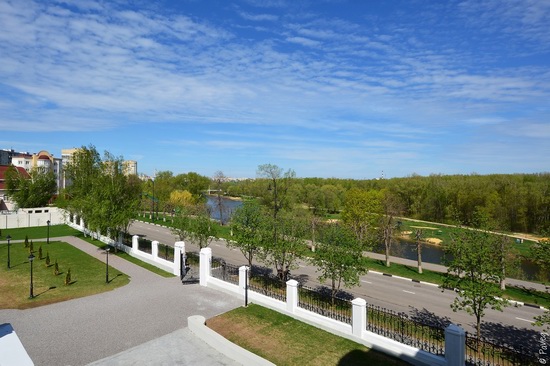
[243, 271]
[155, 249]
[291, 296]
[455, 345]
[135, 245]
[358, 317]
[205, 265]
[179, 247]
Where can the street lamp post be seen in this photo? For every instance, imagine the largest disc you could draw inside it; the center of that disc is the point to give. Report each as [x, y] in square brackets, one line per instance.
[31, 259]
[8, 238]
[107, 265]
[153, 201]
[48, 222]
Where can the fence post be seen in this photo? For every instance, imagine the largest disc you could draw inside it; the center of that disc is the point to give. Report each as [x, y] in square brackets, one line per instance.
[135, 243]
[155, 249]
[358, 317]
[455, 345]
[243, 271]
[291, 296]
[205, 262]
[179, 247]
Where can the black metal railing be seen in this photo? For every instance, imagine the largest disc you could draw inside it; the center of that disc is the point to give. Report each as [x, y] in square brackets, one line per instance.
[145, 245]
[225, 271]
[127, 239]
[268, 285]
[318, 302]
[401, 328]
[483, 352]
[166, 252]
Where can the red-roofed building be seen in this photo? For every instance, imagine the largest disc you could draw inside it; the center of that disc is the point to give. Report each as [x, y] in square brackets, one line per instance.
[3, 189]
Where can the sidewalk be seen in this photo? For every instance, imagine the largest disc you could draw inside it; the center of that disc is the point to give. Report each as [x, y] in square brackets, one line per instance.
[142, 323]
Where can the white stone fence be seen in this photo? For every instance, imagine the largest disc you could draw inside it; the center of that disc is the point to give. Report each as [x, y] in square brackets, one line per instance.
[356, 331]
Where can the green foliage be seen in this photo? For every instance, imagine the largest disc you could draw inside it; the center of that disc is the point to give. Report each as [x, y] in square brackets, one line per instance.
[31, 247]
[100, 192]
[68, 277]
[362, 214]
[26, 241]
[203, 231]
[338, 256]
[40, 252]
[33, 191]
[475, 271]
[47, 259]
[56, 268]
[248, 225]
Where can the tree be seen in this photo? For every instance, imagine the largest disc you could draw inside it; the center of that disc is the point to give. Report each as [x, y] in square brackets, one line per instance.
[100, 192]
[362, 213]
[181, 198]
[202, 230]
[182, 223]
[288, 246]
[30, 190]
[219, 179]
[278, 185]
[418, 237]
[392, 207]
[540, 253]
[338, 257]
[475, 271]
[248, 224]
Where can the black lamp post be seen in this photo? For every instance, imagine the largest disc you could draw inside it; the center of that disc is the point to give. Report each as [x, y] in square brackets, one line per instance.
[107, 265]
[8, 238]
[48, 222]
[153, 198]
[31, 258]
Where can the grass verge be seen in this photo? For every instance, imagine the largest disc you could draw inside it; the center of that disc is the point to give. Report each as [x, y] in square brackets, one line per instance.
[126, 256]
[87, 275]
[286, 341]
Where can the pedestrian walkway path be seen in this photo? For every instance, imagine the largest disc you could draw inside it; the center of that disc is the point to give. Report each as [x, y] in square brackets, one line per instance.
[150, 313]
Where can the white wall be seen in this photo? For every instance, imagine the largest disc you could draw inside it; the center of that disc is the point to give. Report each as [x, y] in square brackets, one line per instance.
[31, 217]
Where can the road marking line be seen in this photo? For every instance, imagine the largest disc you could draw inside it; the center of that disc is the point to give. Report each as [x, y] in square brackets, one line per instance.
[366, 281]
[525, 320]
[409, 292]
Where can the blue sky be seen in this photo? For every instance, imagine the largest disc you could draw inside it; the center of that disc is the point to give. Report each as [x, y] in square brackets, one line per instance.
[327, 88]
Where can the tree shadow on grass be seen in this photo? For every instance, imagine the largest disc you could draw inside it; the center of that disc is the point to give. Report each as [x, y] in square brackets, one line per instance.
[370, 357]
[43, 292]
[114, 278]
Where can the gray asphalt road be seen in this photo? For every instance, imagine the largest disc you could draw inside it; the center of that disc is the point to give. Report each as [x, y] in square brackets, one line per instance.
[84, 330]
[420, 301]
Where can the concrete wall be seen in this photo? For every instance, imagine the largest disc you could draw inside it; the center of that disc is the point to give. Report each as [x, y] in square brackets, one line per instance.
[30, 217]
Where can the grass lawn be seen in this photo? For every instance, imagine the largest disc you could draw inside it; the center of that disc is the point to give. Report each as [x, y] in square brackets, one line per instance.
[87, 275]
[286, 341]
[126, 256]
[38, 232]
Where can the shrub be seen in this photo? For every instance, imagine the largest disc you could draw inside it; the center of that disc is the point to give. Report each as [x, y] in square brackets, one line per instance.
[26, 241]
[47, 259]
[68, 277]
[56, 268]
[40, 252]
[31, 247]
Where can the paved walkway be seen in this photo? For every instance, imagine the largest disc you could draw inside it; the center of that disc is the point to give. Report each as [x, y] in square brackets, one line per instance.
[142, 323]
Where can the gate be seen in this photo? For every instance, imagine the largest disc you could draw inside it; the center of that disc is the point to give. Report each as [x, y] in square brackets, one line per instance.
[189, 268]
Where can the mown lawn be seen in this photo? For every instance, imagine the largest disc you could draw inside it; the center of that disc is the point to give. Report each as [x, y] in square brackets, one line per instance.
[286, 341]
[38, 232]
[87, 275]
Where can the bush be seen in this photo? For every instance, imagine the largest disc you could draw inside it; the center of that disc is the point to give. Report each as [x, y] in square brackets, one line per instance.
[26, 241]
[47, 259]
[56, 268]
[31, 247]
[68, 277]
[40, 252]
